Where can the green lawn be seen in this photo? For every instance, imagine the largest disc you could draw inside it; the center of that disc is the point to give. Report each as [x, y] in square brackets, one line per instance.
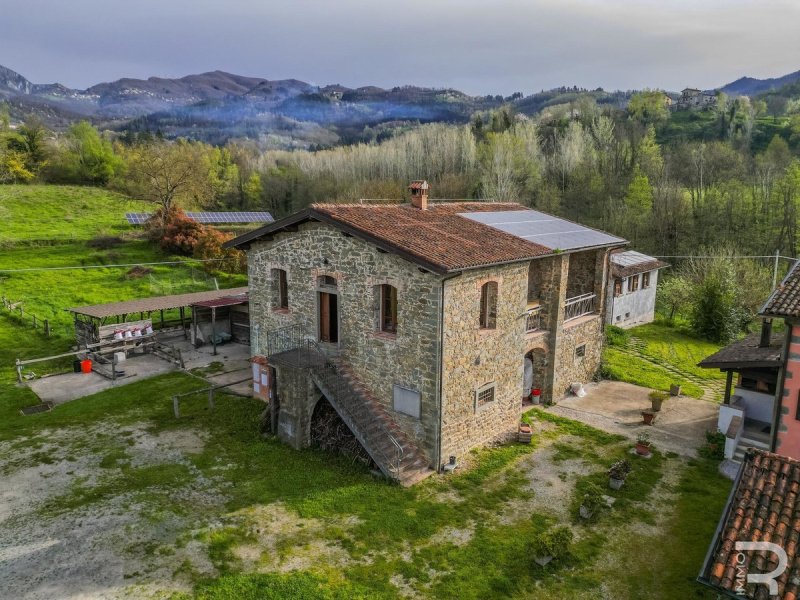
[38, 235]
[658, 355]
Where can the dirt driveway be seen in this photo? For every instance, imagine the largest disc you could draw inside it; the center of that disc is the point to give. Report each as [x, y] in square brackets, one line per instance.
[616, 407]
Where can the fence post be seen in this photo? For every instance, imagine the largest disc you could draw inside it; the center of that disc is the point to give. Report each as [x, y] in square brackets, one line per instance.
[175, 407]
[19, 372]
[47, 327]
[34, 321]
[775, 270]
[211, 398]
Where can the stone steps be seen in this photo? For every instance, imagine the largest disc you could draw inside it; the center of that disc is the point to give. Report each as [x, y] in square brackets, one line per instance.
[373, 425]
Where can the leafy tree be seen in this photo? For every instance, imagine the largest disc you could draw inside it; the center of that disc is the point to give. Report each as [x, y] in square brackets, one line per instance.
[87, 157]
[648, 107]
[674, 294]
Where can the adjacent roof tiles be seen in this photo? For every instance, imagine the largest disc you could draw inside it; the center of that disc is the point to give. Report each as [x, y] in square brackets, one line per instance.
[209, 217]
[447, 237]
[630, 262]
[785, 300]
[747, 353]
[546, 230]
[764, 506]
[155, 303]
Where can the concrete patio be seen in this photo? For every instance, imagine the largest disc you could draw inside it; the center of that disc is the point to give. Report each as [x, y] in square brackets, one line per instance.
[617, 407]
[234, 357]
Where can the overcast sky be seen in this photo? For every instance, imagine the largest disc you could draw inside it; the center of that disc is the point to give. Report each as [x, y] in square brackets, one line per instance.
[491, 46]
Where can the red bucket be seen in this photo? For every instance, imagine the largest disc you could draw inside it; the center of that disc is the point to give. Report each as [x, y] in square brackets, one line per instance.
[86, 366]
[536, 392]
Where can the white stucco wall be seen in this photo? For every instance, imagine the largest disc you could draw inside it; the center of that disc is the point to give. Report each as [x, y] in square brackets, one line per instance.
[640, 306]
[758, 406]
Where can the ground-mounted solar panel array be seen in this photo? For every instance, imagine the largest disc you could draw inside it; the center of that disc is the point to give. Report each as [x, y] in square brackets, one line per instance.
[210, 218]
[543, 229]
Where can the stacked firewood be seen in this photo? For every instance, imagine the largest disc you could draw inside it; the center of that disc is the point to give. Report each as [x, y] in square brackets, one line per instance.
[330, 433]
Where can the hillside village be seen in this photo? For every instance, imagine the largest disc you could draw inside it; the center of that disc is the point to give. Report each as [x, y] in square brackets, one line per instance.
[276, 338]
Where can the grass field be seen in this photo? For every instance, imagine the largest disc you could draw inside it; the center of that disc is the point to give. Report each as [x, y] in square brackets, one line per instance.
[657, 355]
[53, 226]
[237, 516]
[110, 492]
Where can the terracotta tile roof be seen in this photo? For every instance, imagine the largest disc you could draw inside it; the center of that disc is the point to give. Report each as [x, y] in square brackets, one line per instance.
[764, 506]
[438, 234]
[747, 353]
[785, 300]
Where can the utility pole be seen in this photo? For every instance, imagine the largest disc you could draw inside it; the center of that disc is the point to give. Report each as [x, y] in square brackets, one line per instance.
[775, 270]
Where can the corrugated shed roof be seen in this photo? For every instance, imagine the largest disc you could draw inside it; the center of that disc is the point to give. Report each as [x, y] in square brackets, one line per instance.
[764, 506]
[129, 307]
[220, 302]
[785, 300]
[630, 262]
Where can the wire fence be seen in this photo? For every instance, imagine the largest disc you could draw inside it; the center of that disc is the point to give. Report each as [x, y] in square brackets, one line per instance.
[16, 310]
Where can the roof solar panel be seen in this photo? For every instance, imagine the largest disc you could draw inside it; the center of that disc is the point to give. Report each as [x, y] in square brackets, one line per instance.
[210, 217]
[546, 230]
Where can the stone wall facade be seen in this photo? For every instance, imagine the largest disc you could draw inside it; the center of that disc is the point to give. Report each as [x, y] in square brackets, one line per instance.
[437, 318]
[408, 358]
[474, 357]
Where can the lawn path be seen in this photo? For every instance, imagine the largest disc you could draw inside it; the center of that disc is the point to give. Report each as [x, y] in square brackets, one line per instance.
[713, 389]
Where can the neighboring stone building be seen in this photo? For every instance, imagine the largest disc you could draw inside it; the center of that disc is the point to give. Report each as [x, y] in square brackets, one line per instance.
[632, 288]
[414, 321]
[692, 98]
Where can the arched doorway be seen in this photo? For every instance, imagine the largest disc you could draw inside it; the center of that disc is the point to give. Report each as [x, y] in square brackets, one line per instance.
[534, 377]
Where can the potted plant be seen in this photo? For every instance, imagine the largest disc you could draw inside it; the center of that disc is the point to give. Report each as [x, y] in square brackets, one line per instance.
[591, 502]
[675, 389]
[617, 473]
[551, 545]
[656, 399]
[648, 416]
[643, 445]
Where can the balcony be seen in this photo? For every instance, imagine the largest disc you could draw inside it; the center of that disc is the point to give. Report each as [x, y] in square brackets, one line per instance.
[578, 306]
[533, 319]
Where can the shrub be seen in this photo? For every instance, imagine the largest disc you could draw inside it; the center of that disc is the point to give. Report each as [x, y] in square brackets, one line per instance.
[555, 542]
[105, 242]
[620, 469]
[592, 498]
[714, 448]
[616, 336]
[209, 246]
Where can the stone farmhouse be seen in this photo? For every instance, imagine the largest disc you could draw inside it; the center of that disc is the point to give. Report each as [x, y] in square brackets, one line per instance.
[692, 98]
[632, 288]
[414, 321]
[761, 408]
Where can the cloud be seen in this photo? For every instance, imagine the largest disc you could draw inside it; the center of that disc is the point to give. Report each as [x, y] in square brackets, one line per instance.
[478, 46]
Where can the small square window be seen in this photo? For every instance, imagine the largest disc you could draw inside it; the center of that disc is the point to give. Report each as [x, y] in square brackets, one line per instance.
[580, 351]
[484, 395]
[627, 315]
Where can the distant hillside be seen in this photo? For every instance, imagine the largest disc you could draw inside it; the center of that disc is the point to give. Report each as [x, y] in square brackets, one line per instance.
[749, 86]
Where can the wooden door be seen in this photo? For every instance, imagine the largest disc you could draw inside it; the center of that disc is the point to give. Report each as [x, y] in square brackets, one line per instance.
[324, 317]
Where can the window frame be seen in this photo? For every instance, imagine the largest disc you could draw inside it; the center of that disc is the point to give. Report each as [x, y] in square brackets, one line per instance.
[281, 282]
[487, 318]
[633, 283]
[486, 387]
[580, 351]
[387, 292]
[645, 280]
[617, 288]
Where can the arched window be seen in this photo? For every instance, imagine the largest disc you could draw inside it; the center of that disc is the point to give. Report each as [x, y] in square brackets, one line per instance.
[281, 289]
[488, 317]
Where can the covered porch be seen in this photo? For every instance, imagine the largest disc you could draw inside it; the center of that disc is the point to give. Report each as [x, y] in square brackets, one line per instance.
[747, 414]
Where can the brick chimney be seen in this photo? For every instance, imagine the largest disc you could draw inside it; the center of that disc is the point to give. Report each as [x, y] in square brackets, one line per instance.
[419, 194]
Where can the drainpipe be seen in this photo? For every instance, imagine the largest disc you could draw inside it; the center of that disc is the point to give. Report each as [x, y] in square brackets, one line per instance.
[778, 404]
[439, 371]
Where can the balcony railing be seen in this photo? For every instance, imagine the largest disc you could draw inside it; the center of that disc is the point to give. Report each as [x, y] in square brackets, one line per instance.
[579, 306]
[533, 320]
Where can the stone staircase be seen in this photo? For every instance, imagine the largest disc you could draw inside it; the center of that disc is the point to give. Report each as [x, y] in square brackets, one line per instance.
[392, 450]
[751, 438]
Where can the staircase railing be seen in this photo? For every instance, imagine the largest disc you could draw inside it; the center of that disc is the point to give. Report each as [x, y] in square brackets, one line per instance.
[299, 351]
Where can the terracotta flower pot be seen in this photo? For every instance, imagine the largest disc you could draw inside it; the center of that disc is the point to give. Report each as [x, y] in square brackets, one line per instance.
[648, 416]
[642, 448]
[615, 484]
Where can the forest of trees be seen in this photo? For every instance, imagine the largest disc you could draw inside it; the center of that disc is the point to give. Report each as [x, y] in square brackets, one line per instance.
[672, 183]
